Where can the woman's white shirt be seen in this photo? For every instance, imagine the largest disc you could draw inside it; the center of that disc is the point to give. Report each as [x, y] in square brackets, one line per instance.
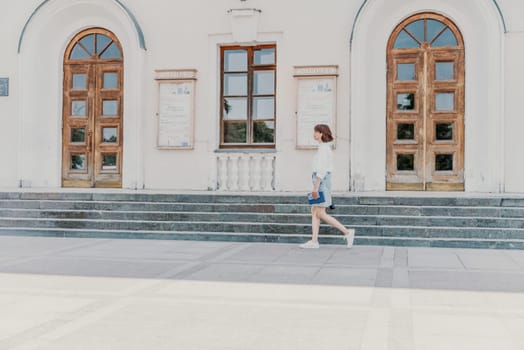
[323, 160]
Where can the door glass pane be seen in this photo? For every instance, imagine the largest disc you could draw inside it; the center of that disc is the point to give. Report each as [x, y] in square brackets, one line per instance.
[111, 52]
[404, 41]
[79, 81]
[235, 108]
[444, 101]
[444, 131]
[264, 132]
[78, 162]
[264, 83]
[78, 53]
[78, 108]
[110, 81]
[235, 61]
[447, 38]
[433, 28]
[109, 135]
[406, 71]
[444, 71]
[101, 42]
[78, 134]
[417, 29]
[235, 133]
[265, 56]
[405, 132]
[444, 162]
[110, 107]
[264, 108]
[109, 161]
[235, 84]
[405, 102]
[405, 162]
[89, 43]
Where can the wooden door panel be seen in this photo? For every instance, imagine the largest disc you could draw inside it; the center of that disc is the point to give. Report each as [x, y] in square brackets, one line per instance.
[108, 132]
[432, 69]
[77, 157]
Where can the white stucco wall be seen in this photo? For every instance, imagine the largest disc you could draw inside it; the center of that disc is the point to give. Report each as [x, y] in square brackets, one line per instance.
[482, 32]
[41, 76]
[188, 35]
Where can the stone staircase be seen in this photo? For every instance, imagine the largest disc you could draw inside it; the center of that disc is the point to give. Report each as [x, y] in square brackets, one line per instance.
[400, 220]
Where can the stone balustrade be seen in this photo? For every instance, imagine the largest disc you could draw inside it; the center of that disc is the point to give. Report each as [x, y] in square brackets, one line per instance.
[246, 172]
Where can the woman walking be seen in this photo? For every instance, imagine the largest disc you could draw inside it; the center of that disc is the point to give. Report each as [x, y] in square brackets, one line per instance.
[321, 177]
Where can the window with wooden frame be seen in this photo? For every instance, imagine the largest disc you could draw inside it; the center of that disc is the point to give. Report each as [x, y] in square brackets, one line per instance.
[247, 94]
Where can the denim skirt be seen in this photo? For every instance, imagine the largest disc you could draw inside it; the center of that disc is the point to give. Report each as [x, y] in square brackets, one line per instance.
[325, 186]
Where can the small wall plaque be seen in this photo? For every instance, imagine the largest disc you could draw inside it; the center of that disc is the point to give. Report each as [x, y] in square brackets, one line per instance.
[316, 94]
[176, 108]
[4, 86]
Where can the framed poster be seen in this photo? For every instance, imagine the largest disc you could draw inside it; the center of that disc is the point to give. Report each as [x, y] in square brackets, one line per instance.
[316, 91]
[176, 94]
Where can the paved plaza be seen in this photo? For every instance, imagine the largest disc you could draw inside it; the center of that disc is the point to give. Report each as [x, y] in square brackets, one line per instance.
[103, 294]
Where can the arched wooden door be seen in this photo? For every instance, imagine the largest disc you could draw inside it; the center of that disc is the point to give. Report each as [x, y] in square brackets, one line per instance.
[425, 105]
[92, 111]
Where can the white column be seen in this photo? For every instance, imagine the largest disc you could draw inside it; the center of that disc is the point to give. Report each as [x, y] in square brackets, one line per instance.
[256, 173]
[222, 173]
[243, 182]
[233, 173]
[267, 173]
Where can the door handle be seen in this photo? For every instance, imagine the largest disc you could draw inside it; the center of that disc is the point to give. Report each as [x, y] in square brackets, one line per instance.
[89, 141]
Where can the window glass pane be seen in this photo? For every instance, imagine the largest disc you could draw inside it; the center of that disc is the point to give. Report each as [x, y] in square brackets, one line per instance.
[101, 42]
[109, 135]
[111, 52]
[109, 161]
[404, 41]
[406, 71]
[264, 132]
[433, 28]
[78, 53]
[405, 132]
[444, 101]
[447, 38]
[264, 83]
[444, 162]
[79, 81]
[417, 29]
[110, 81]
[78, 108]
[235, 60]
[444, 131]
[110, 107]
[235, 84]
[235, 132]
[235, 108]
[78, 134]
[405, 102]
[405, 162]
[265, 56]
[444, 71]
[78, 162]
[264, 108]
[89, 43]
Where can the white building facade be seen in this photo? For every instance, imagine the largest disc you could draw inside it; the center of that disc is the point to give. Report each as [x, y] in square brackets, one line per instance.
[213, 95]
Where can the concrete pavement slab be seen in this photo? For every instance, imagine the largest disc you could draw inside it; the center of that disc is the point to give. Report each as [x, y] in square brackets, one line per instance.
[120, 295]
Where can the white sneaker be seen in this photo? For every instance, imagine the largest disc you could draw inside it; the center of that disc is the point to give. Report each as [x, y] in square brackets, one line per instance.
[310, 245]
[350, 237]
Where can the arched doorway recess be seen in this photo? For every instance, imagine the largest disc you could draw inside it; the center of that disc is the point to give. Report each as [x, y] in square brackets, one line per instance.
[425, 105]
[92, 145]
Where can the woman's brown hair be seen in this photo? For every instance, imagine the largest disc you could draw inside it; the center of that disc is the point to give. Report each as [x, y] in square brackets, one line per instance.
[325, 131]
